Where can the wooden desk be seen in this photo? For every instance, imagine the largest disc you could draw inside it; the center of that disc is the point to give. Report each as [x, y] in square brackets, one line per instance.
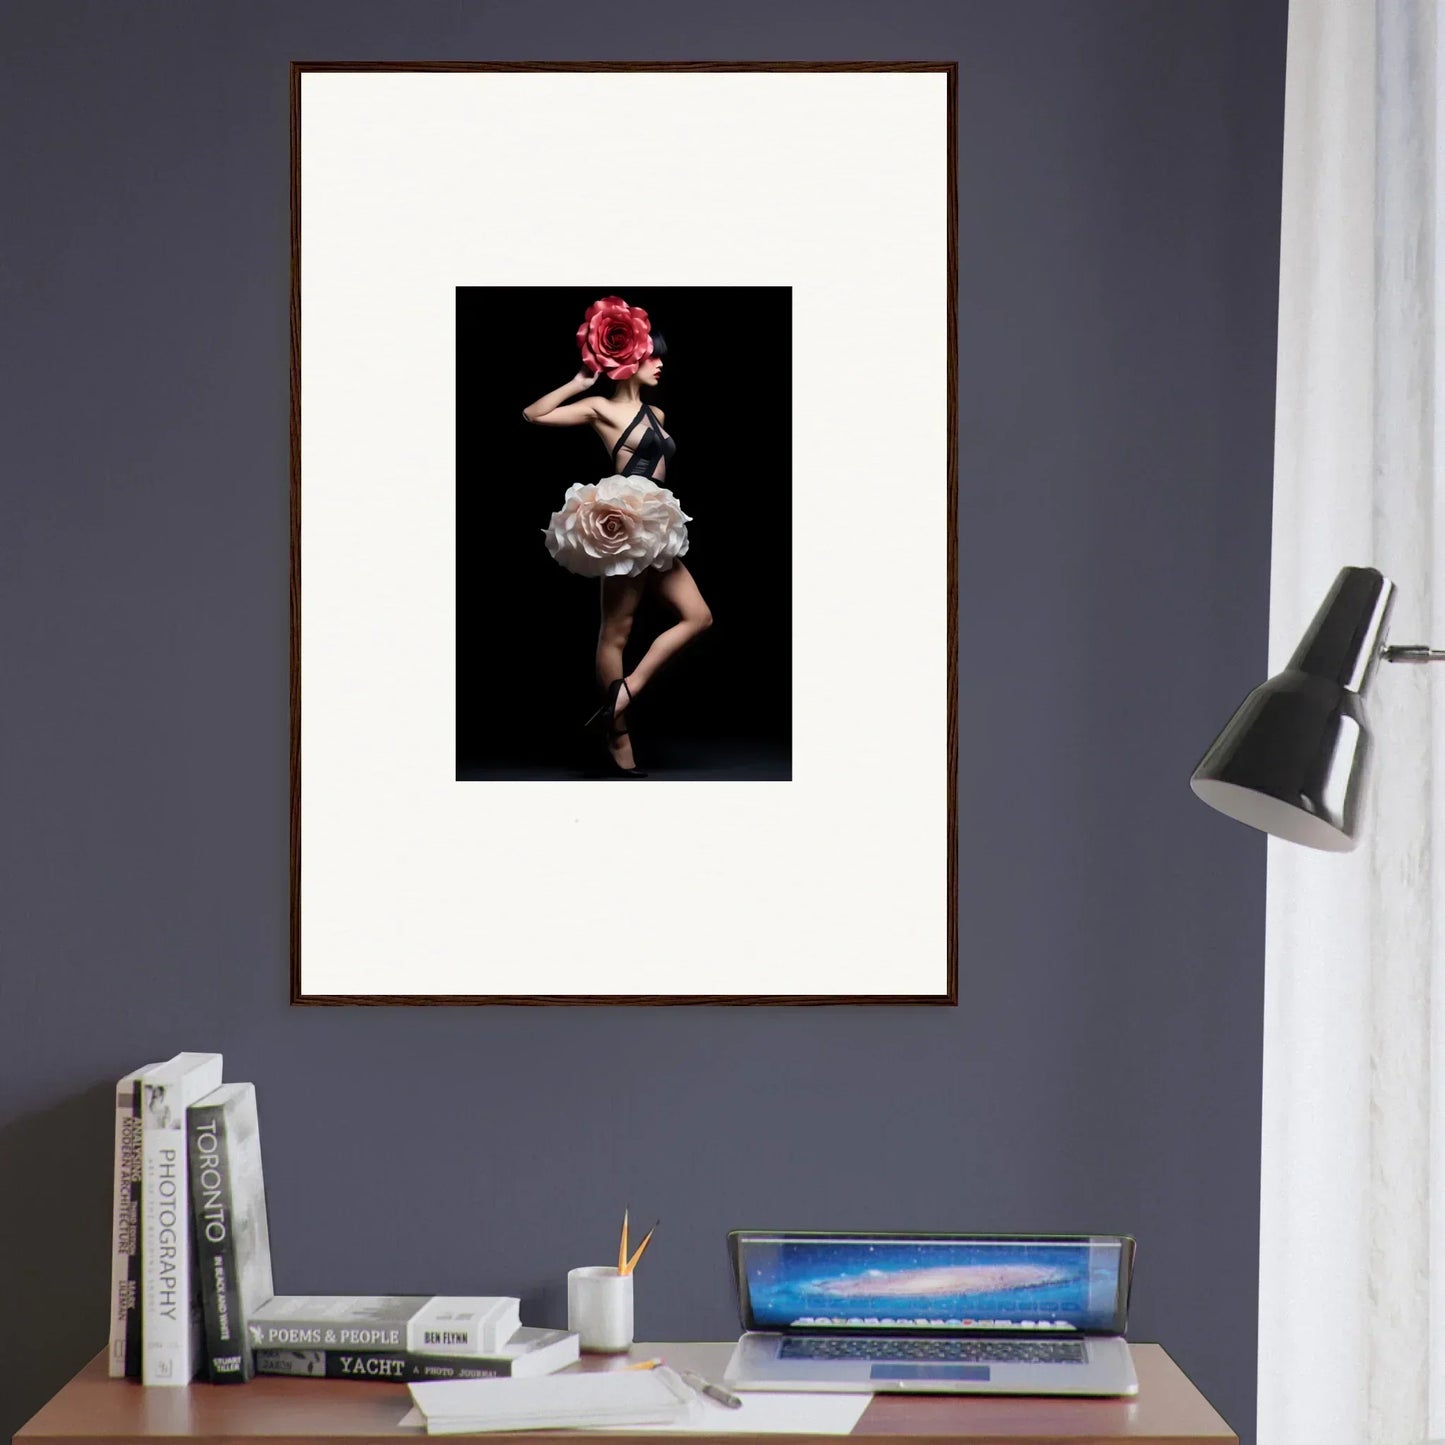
[92, 1408]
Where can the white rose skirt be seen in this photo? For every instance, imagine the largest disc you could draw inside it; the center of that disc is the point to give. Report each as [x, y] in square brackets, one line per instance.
[617, 527]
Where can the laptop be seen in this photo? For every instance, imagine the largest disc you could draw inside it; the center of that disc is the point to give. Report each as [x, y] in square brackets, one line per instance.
[933, 1313]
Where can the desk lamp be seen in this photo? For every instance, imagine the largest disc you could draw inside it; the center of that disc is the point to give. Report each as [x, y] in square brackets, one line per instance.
[1293, 758]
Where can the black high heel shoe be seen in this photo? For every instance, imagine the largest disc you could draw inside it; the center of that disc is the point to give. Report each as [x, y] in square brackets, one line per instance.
[615, 769]
[606, 712]
[611, 731]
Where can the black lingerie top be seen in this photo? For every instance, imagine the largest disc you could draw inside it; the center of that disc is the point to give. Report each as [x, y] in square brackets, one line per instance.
[652, 447]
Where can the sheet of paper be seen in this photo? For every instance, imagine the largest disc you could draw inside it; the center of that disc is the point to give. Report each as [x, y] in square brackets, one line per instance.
[769, 1412]
[764, 1412]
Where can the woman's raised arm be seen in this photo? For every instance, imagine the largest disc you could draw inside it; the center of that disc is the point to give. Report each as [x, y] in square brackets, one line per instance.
[549, 411]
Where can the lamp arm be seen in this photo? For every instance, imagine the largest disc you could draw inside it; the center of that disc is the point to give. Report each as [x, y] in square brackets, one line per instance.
[1413, 652]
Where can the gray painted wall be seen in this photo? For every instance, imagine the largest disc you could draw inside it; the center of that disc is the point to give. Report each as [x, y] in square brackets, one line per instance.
[1119, 235]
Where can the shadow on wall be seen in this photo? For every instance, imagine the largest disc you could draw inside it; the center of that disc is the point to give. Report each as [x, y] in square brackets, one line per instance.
[54, 1232]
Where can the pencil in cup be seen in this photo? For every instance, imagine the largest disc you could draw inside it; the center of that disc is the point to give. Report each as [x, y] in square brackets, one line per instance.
[631, 1260]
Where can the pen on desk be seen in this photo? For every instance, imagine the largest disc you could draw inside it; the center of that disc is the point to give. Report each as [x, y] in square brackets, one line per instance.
[713, 1392]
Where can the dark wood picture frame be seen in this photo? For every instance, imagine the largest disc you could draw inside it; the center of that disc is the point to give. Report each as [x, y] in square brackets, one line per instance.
[950, 997]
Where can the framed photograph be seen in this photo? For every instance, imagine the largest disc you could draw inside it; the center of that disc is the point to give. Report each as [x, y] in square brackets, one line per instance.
[623, 533]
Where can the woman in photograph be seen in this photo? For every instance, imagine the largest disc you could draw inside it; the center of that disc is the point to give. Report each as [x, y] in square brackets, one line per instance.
[626, 529]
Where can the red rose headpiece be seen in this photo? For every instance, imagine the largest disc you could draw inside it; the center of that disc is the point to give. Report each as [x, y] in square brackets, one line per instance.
[615, 338]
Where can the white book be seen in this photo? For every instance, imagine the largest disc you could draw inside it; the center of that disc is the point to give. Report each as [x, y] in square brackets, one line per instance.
[125, 1224]
[424, 1324]
[171, 1345]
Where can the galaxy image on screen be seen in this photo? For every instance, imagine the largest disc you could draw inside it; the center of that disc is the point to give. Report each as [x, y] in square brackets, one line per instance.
[921, 1284]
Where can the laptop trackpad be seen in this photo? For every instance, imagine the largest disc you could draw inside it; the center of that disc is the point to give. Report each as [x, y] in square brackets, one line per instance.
[930, 1372]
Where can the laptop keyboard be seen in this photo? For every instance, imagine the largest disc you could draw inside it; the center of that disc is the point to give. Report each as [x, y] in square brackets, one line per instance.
[983, 1352]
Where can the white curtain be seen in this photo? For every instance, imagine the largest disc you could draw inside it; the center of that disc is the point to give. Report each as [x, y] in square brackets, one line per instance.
[1352, 1243]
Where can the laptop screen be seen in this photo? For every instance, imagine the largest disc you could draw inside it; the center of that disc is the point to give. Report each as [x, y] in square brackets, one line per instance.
[1032, 1284]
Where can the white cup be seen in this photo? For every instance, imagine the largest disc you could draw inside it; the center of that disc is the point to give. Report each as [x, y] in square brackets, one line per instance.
[599, 1308]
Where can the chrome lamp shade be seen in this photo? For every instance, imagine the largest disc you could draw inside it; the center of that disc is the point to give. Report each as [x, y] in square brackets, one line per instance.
[1293, 758]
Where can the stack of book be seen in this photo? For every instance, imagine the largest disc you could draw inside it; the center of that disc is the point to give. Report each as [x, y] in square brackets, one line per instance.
[403, 1338]
[191, 1284]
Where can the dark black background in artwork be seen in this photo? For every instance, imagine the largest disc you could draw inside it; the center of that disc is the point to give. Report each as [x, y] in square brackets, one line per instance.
[526, 627]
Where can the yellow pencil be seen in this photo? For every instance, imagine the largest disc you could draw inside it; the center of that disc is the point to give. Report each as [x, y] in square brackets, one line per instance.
[622, 1247]
[637, 1254]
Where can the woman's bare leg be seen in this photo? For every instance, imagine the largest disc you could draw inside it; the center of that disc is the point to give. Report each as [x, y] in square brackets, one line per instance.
[620, 596]
[680, 592]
